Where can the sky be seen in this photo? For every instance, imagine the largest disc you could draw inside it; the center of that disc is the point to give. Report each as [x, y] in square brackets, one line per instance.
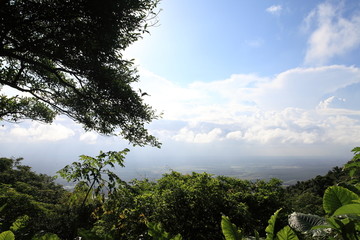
[234, 81]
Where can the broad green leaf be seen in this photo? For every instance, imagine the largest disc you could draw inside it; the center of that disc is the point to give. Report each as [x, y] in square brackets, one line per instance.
[350, 187]
[348, 209]
[304, 222]
[7, 235]
[230, 231]
[286, 234]
[333, 223]
[270, 229]
[336, 197]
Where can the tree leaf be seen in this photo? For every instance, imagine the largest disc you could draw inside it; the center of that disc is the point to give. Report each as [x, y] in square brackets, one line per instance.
[177, 237]
[348, 209]
[20, 223]
[230, 231]
[7, 235]
[286, 234]
[304, 222]
[157, 231]
[270, 229]
[336, 197]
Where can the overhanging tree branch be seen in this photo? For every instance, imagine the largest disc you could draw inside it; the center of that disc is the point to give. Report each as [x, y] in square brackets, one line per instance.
[67, 54]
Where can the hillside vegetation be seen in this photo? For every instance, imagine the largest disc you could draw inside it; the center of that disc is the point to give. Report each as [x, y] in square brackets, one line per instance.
[177, 206]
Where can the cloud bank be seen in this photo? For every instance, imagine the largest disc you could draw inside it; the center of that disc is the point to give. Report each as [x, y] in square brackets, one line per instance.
[298, 106]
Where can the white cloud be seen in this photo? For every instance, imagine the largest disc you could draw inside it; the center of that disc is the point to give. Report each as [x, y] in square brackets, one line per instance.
[289, 126]
[89, 137]
[334, 34]
[228, 101]
[274, 9]
[298, 106]
[327, 102]
[40, 132]
[304, 87]
[342, 130]
[187, 135]
[293, 107]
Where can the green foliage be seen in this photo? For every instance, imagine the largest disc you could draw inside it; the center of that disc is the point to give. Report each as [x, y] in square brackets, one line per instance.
[230, 231]
[90, 171]
[307, 196]
[32, 202]
[286, 234]
[20, 223]
[336, 197]
[305, 223]
[353, 166]
[67, 56]
[17, 108]
[24, 180]
[341, 204]
[348, 209]
[190, 205]
[7, 235]
[158, 233]
[270, 229]
[87, 234]
[46, 236]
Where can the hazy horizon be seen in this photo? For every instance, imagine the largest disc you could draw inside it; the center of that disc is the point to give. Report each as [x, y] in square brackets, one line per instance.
[234, 81]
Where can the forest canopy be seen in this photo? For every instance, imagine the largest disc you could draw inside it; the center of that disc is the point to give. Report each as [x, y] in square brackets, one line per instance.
[66, 58]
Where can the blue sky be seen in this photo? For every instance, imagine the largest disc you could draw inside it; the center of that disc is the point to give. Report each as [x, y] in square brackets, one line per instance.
[233, 79]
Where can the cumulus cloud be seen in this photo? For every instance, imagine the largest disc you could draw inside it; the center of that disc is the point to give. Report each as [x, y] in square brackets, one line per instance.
[329, 101]
[297, 106]
[274, 9]
[332, 34]
[289, 126]
[187, 135]
[40, 132]
[228, 101]
[304, 87]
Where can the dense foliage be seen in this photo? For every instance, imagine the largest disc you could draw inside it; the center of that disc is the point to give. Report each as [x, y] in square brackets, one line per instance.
[191, 205]
[67, 57]
[306, 196]
[177, 206]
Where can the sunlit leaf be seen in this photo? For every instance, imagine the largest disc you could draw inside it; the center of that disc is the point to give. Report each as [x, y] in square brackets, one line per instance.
[7, 235]
[336, 197]
[348, 209]
[286, 234]
[230, 231]
[20, 223]
[270, 229]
